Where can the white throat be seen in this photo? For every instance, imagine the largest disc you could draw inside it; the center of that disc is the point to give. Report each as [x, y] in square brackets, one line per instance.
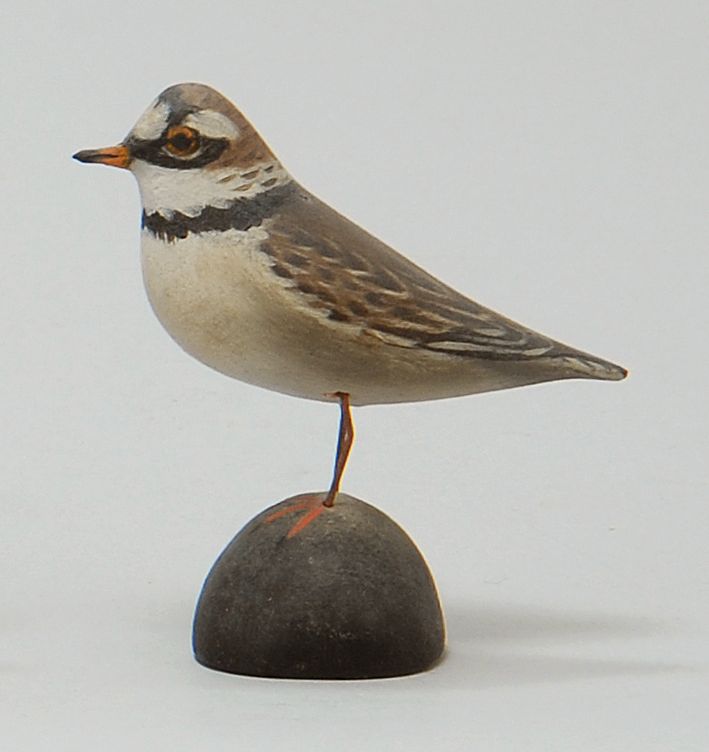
[189, 191]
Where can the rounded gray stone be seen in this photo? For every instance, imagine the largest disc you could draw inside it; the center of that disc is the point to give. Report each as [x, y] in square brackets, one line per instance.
[349, 596]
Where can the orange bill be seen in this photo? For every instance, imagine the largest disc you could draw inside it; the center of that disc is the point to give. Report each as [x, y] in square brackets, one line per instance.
[116, 156]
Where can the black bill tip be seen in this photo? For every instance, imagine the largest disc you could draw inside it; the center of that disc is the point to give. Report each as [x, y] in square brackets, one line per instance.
[88, 155]
[115, 156]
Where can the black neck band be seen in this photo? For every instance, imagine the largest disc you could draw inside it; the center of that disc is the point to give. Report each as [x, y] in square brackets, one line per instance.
[241, 214]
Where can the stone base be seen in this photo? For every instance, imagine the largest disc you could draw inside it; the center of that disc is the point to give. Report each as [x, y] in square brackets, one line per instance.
[347, 596]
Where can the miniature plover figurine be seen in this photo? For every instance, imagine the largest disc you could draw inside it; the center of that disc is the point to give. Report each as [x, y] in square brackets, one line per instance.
[256, 277]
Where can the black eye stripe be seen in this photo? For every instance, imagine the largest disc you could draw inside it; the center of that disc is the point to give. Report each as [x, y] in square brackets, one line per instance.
[153, 152]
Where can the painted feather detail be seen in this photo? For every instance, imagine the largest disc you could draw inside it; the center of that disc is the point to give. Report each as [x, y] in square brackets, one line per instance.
[355, 278]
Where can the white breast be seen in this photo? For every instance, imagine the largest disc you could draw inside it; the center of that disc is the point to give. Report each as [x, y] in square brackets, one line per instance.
[218, 299]
[207, 291]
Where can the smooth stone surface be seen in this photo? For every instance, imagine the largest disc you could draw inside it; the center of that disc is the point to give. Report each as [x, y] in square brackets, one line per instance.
[347, 597]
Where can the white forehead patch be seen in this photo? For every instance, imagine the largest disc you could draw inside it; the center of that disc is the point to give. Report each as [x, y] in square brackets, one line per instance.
[152, 122]
[212, 124]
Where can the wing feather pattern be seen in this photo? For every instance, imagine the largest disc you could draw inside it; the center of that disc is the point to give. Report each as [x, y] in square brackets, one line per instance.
[353, 277]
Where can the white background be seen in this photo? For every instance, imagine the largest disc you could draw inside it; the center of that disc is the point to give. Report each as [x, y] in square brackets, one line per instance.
[547, 158]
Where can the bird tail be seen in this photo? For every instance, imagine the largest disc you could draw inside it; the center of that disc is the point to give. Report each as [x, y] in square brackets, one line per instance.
[587, 366]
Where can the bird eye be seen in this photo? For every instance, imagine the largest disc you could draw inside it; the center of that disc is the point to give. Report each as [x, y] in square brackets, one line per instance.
[182, 141]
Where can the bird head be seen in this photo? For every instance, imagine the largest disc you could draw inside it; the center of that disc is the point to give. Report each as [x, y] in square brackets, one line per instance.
[190, 149]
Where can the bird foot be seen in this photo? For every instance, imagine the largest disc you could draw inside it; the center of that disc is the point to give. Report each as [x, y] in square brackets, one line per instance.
[312, 504]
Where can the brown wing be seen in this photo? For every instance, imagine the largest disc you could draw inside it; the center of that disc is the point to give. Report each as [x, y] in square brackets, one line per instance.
[358, 279]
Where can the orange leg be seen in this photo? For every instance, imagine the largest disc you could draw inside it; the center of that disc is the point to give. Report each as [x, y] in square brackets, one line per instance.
[313, 504]
[344, 445]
